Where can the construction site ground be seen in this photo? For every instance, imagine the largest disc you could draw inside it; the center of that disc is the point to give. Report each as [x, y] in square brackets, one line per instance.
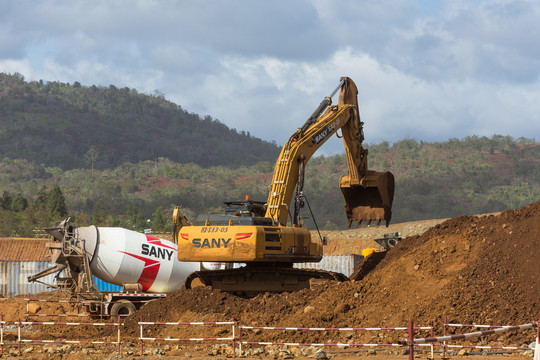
[472, 269]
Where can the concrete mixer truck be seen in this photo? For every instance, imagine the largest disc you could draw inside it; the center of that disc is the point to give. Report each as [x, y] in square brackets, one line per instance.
[146, 266]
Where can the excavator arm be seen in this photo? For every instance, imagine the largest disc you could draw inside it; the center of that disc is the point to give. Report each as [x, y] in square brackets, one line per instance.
[368, 194]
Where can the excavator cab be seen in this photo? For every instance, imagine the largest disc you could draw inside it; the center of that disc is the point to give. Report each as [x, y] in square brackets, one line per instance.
[371, 200]
[245, 207]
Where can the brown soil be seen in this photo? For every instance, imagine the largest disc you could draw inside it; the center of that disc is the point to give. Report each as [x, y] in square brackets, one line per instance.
[474, 269]
[352, 241]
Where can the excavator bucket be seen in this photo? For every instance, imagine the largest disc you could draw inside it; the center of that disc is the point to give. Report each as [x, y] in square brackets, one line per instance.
[371, 200]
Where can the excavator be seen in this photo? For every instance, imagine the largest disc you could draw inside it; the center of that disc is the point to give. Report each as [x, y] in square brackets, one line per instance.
[258, 235]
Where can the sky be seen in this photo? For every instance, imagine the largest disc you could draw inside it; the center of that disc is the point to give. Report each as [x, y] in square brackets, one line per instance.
[425, 69]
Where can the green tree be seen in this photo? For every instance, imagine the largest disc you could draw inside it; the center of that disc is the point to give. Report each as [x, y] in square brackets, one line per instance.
[81, 218]
[5, 201]
[135, 218]
[41, 199]
[159, 220]
[99, 216]
[19, 203]
[91, 157]
[56, 203]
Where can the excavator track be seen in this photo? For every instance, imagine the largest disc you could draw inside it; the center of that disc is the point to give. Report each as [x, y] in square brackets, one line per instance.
[251, 280]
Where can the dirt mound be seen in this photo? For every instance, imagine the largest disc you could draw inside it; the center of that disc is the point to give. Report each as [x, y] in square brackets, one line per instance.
[473, 269]
[353, 241]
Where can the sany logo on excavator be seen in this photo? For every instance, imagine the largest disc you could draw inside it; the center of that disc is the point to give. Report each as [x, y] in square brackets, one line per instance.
[210, 243]
[213, 242]
[324, 133]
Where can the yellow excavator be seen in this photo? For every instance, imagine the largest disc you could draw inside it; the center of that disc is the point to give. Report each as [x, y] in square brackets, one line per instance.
[256, 234]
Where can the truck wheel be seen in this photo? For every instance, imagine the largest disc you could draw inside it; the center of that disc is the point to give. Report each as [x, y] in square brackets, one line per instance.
[393, 242]
[123, 307]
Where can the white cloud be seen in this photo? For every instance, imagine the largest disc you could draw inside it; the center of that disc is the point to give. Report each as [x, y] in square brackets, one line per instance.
[16, 66]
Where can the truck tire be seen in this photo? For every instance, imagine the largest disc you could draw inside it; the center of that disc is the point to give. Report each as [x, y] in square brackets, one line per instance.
[393, 242]
[123, 308]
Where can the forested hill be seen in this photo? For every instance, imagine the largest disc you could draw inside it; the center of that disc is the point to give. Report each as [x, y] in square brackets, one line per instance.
[74, 126]
[433, 180]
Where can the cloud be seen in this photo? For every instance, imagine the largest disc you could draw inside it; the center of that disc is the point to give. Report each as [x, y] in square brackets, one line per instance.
[426, 70]
[393, 104]
[16, 66]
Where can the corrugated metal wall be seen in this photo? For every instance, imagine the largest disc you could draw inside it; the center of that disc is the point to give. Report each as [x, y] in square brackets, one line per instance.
[14, 274]
[344, 264]
[105, 286]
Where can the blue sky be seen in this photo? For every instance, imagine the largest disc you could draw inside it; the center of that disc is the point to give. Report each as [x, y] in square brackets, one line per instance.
[428, 70]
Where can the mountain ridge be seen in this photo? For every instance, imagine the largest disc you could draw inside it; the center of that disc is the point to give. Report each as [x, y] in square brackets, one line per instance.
[69, 126]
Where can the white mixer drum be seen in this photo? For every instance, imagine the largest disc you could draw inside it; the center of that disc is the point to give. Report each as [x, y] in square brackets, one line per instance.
[123, 256]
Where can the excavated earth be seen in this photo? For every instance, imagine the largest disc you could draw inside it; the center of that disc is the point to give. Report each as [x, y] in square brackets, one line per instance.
[472, 269]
